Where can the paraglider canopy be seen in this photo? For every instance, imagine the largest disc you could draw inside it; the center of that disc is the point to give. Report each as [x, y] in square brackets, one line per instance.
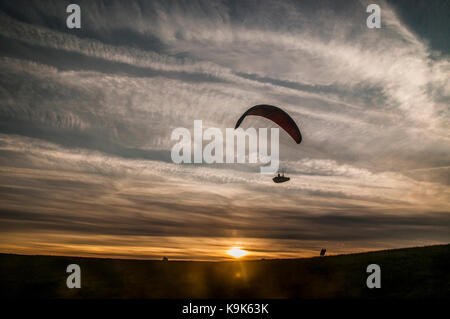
[276, 115]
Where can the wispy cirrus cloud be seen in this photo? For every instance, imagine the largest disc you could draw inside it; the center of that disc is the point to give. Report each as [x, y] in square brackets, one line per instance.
[86, 117]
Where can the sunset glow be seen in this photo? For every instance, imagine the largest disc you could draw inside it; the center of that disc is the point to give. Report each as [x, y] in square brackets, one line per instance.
[237, 252]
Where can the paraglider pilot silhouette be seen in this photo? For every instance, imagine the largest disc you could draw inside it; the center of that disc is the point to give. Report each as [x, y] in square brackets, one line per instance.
[280, 117]
[280, 178]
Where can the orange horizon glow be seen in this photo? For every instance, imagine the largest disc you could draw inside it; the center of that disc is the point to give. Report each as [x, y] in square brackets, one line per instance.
[179, 248]
[237, 252]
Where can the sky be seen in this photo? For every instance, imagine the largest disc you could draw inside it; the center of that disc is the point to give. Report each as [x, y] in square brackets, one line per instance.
[86, 117]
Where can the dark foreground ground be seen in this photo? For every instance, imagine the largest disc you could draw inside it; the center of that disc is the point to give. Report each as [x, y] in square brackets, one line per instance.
[405, 273]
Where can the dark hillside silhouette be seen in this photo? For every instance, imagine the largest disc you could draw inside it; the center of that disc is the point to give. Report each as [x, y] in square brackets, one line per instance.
[405, 273]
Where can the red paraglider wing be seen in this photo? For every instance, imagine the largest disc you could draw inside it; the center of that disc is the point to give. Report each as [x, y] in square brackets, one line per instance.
[276, 115]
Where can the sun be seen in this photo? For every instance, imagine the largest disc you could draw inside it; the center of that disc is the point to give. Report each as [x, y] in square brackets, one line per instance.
[237, 252]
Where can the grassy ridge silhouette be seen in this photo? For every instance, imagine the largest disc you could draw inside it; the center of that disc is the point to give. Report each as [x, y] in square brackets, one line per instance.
[421, 272]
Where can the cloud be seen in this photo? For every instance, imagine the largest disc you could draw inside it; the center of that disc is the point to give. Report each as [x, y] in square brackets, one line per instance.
[86, 118]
